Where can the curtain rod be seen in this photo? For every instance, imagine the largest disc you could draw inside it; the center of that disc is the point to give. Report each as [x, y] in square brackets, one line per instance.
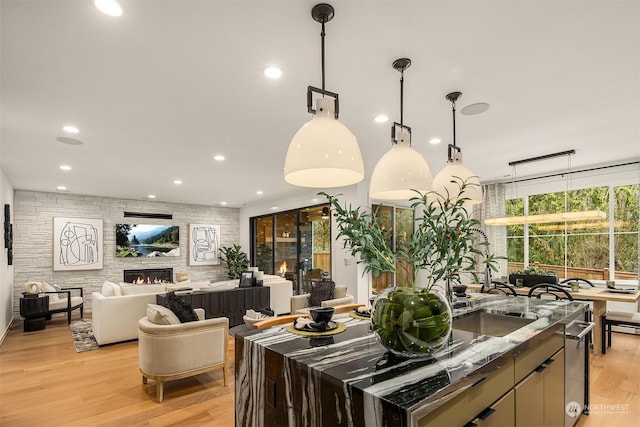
[572, 172]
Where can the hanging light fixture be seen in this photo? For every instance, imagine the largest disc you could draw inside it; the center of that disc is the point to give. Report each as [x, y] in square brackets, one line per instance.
[402, 169]
[447, 182]
[592, 215]
[323, 153]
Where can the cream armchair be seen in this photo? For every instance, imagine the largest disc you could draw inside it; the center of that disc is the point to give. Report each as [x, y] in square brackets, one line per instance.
[340, 297]
[61, 300]
[173, 351]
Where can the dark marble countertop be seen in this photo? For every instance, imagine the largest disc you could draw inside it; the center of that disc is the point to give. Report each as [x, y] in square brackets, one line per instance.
[364, 375]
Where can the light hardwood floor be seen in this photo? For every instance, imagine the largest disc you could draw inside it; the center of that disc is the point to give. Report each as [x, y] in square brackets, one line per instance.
[43, 381]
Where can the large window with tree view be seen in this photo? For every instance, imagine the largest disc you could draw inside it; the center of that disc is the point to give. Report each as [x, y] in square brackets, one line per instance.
[397, 222]
[597, 249]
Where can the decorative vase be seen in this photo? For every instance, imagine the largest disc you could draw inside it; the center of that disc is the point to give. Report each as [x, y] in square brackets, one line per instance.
[411, 322]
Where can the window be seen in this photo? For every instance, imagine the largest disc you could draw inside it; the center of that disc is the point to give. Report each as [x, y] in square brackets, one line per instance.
[596, 249]
[399, 223]
[294, 244]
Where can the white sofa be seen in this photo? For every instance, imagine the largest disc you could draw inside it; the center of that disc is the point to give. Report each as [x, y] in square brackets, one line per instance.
[116, 310]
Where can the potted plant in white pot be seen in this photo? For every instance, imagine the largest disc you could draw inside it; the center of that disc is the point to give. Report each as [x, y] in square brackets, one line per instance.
[413, 318]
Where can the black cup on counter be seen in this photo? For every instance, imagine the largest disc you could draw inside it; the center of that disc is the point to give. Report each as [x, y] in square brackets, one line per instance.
[321, 314]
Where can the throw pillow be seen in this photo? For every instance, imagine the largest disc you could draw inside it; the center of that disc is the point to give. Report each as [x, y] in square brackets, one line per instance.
[108, 289]
[117, 290]
[183, 310]
[49, 288]
[161, 315]
[321, 291]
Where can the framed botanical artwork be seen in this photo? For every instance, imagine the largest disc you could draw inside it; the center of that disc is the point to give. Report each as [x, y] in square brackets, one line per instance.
[77, 244]
[204, 243]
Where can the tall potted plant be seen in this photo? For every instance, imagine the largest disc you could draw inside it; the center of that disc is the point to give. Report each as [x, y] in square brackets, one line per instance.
[413, 318]
[236, 260]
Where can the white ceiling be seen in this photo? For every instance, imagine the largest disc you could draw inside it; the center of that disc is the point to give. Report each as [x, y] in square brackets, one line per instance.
[157, 92]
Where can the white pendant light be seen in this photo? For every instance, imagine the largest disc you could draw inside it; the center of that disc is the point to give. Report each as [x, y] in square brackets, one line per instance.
[446, 184]
[402, 169]
[323, 153]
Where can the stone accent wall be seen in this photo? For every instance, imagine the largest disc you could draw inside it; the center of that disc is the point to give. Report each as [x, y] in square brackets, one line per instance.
[33, 214]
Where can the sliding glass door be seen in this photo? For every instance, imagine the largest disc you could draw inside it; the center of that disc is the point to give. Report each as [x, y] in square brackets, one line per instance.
[294, 244]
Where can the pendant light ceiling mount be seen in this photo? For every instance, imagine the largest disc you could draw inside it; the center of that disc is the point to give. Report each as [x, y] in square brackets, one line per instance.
[453, 97]
[323, 153]
[401, 64]
[322, 13]
[402, 170]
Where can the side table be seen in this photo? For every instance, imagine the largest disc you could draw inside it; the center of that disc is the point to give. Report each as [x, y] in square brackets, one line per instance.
[34, 310]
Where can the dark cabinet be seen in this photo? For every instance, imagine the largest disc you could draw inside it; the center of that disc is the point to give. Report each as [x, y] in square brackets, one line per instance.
[230, 303]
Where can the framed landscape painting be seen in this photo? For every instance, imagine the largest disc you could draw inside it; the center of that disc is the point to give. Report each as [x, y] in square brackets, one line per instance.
[77, 244]
[204, 243]
[147, 240]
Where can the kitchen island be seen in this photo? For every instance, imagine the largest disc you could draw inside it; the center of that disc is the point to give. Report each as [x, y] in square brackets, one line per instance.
[350, 379]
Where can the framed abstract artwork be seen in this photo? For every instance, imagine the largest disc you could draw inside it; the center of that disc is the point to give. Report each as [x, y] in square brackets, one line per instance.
[204, 243]
[77, 244]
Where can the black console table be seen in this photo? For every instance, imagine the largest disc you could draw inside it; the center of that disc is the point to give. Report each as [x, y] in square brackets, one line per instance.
[34, 309]
[230, 303]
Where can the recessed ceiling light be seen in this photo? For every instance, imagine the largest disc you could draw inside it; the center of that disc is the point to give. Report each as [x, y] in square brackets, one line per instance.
[67, 140]
[218, 157]
[381, 119]
[177, 182]
[109, 7]
[65, 167]
[259, 192]
[71, 129]
[61, 187]
[272, 72]
[435, 141]
[273, 208]
[223, 203]
[151, 196]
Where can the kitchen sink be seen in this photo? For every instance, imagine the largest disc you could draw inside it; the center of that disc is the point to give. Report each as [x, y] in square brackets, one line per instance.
[483, 323]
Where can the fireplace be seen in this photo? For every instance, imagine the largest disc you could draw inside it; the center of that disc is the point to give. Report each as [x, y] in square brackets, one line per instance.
[149, 275]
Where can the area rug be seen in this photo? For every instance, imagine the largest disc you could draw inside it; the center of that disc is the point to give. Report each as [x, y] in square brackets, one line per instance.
[82, 334]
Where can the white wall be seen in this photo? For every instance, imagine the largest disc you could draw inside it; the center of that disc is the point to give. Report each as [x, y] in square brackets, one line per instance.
[344, 269]
[33, 238]
[6, 271]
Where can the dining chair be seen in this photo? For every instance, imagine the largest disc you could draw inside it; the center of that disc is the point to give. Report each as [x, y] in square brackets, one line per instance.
[272, 321]
[549, 291]
[497, 287]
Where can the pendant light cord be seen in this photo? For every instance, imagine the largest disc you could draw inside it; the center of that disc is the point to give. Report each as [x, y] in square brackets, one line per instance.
[322, 34]
[453, 111]
[402, 98]
[453, 97]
